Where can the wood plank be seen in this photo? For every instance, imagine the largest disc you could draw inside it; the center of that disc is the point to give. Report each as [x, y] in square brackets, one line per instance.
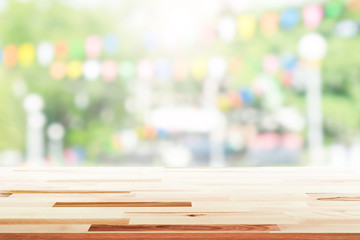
[180, 236]
[122, 204]
[50, 221]
[59, 191]
[178, 227]
[5, 194]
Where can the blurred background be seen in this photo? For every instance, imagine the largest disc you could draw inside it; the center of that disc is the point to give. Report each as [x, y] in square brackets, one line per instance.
[179, 83]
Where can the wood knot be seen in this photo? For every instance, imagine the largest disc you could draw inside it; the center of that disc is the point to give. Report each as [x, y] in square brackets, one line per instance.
[195, 214]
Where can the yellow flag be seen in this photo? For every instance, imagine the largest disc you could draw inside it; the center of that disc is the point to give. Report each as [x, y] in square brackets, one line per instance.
[26, 54]
[198, 68]
[74, 69]
[246, 26]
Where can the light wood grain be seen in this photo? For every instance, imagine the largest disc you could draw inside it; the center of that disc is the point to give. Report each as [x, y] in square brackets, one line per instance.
[180, 203]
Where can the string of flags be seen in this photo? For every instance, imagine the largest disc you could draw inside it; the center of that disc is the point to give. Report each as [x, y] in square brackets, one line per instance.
[71, 58]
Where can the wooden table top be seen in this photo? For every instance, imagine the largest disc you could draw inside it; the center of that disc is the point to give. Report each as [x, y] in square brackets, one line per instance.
[180, 203]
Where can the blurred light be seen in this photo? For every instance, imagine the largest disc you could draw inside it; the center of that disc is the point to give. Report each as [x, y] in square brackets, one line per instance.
[93, 46]
[227, 29]
[81, 100]
[33, 103]
[129, 139]
[109, 70]
[289, 18]
[347, 29]
[291, 119]
[292, 141]
[235, 139]
[74, 69]
[36, 120]
[3, 5]
[10, 158]
[58, 70]
[26, 54]
[111, 43]
[175, 155]
[312, 46]
[312, 15]
[185, 119]
[19, 88]
[217, 67]
[45, 53]
[55, 131]
[91, 69]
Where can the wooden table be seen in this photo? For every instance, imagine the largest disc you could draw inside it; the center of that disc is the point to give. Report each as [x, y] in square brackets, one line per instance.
[180, 203]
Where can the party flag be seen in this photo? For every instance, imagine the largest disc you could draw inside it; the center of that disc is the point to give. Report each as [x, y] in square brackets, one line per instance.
[288, 61]
[45, 53]
[26, 54]
[145, 69]
[93, 46]
[91, 69]
[333, 9]
[111, 44]
[198, 68]
[223, 102]
[235, 65]
[74, 69]
[126, 70]
[180, 69]
[163, 69]
[227, 29]
[271, 64]
[10, 55]
[353, 5]
[109, 70]
[76, 49]
[289, 18]
[58, 70]
[61, 49]
[246, 26]
[312, 15]
[269, 23]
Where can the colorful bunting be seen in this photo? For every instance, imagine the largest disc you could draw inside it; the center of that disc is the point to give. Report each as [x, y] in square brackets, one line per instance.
[45, 53]
[93, 46]
[74, 69]
[26, 54]
[246, 26]
[10, 56]
[289, 18]
[58, 70]
[269, 23]
[61, 49]
[313, 15]
[109, 70]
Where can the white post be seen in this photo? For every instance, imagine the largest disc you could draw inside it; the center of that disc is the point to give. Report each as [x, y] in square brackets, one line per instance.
[312, 48]
[314, 115]
[33, 105]
[55, 148]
